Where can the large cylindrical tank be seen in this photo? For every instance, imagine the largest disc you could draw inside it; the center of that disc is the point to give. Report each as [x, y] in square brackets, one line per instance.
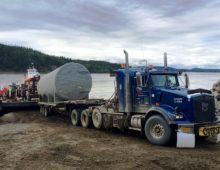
[72, 81]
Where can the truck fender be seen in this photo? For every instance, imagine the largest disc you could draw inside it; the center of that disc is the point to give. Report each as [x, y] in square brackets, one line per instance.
[167, 115]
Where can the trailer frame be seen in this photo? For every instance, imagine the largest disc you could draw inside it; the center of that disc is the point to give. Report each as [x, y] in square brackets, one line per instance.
[66, 107]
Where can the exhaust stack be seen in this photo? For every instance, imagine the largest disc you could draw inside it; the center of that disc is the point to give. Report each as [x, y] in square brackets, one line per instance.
[165, 61]
[128, 108]
[186, 81]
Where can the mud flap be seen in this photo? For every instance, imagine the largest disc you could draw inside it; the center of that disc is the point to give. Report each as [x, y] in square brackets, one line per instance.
[185, 140]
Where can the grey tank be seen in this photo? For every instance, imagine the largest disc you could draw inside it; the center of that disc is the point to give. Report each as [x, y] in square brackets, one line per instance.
[72, 81]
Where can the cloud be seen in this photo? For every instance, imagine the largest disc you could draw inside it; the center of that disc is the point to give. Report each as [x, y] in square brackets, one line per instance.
[100, 30]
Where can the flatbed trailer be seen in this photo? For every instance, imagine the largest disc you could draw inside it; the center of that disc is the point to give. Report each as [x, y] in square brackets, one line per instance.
[91, 113]
[73, 108]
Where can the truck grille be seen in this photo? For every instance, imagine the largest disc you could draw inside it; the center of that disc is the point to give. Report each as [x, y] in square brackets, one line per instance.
[204, 108]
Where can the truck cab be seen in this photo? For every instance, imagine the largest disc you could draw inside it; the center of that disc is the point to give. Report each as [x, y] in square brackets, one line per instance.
[149, 88]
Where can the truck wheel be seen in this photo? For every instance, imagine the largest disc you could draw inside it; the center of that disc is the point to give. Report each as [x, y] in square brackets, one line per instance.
[75, 117]
[97, 118]
[46, 112]
[157, 131]
[86, 120]
[41, 110]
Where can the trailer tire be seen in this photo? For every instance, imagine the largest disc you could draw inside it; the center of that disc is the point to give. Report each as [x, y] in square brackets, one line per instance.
[97, 118]
[157, 131]
[86, 119]
[42, 110]
[46, 112]
[75, 117]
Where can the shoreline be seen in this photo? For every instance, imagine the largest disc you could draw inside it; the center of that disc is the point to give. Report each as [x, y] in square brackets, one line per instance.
[8, 72]
[40, 73]
[14, 72]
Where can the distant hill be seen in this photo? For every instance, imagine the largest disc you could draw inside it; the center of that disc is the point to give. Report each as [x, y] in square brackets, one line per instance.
[203, 70]
[190, 70]
[18, 59]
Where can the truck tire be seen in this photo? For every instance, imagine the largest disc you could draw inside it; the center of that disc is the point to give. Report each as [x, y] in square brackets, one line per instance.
[42, 110]
[97, 118]
[75, 117]
[46, 112]
[86, 119]
[157, 131]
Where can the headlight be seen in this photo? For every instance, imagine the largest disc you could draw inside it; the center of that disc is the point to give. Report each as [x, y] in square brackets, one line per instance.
[177, 113]
[179, 116]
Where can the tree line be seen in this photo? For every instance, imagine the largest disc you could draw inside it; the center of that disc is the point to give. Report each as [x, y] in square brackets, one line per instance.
[18, 59]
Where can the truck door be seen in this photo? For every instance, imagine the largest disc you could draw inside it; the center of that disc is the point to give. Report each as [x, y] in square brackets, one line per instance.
[142, 99]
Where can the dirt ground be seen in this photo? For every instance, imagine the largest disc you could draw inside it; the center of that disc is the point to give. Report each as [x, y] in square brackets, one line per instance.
[30, 141]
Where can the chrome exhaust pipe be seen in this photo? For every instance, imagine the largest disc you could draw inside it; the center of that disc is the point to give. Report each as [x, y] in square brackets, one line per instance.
[165, 61]
[128, 107]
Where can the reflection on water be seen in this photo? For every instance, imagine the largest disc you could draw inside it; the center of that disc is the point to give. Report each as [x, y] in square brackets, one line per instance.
[103, 84]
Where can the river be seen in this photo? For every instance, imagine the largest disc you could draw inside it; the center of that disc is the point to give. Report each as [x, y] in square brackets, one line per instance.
[103, 84]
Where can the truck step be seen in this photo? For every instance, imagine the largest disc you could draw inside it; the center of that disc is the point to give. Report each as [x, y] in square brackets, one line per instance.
[136, 129]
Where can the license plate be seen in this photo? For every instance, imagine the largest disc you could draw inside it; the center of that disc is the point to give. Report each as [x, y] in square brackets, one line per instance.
[209, 131]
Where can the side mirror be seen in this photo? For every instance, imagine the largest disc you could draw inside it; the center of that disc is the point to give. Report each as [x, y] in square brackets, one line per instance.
[186, 80]
[139, 79]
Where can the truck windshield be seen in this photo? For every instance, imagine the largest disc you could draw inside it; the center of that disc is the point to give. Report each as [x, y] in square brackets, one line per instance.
[165, 80]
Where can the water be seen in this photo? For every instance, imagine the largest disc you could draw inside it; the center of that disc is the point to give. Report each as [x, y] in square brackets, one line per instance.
[203, 80]
[103, 84]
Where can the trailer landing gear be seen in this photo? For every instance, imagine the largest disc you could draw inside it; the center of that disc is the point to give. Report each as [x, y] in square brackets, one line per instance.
[44, 111]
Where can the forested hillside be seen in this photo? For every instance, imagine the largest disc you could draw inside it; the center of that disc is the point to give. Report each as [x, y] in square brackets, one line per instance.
[17, 59]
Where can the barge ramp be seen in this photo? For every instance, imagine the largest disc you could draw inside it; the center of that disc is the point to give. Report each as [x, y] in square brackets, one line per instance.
[6, 107]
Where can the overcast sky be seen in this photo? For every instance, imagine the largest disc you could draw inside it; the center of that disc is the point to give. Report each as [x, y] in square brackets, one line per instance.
[188, 30]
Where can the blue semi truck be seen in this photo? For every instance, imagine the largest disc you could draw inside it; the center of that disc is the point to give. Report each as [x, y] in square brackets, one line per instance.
[153, 102]
[150, 101]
